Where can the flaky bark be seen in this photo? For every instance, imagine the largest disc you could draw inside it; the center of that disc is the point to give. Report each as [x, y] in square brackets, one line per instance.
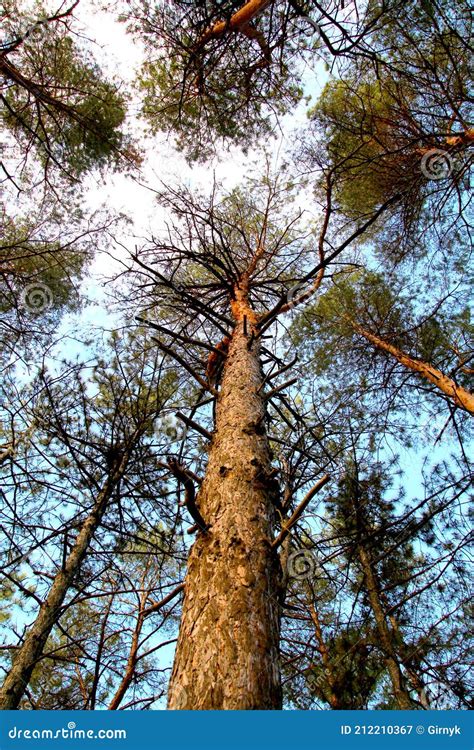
[460, 396]
[466, 138]
[31, 650]
[227, 655]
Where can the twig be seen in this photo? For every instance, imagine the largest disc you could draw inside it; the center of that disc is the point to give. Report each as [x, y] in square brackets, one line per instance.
[156, 606]
[186, 366]
[194, 425]
[299, 510]
[281, 387]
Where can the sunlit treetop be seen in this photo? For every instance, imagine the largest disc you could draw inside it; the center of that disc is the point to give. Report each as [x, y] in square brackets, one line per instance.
[56, 102]
[230, 69]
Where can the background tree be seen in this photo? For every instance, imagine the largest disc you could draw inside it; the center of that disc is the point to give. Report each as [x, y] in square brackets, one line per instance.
[101, 467]
[226, 68]
[368, 325]
[46, 251]
[369, 563]
[106, 650]
[55, 99]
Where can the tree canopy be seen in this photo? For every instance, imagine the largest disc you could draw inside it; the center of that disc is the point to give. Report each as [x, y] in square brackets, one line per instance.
[249, 412]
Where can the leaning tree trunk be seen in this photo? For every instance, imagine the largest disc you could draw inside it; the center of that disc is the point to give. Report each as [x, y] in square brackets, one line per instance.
[27, 655]
[456, 393]
[227, 654]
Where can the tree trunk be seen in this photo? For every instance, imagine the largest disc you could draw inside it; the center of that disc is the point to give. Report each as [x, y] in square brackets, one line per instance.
[402, 695]
[460, 396]
[132, 658]
[333, 697]
[31, 650]
[413, 676]
[227, 655]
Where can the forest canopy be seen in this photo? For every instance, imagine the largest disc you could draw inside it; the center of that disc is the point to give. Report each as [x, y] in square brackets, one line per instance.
[236, 355]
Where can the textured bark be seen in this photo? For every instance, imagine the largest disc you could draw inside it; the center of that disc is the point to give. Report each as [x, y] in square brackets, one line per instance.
[466, 138]
[227, 654]
[460, 396]
[27, 656]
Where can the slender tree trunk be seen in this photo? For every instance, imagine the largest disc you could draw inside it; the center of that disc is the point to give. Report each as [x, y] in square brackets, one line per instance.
[227, 654]
[460, 396]
[92, 693]
[333, 697]
[131, 661]
[134, 647]
[133, 654]
[413, 676]
[401, 694]
[28, 654]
